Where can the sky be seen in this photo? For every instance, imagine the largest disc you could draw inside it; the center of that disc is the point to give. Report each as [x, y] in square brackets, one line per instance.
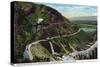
[70, 11]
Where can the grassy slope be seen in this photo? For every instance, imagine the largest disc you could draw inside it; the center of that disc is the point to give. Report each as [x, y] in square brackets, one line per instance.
[75, 42]
[67, 45]
[41, 54]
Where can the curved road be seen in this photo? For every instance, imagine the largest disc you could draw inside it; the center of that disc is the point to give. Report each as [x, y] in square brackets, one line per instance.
[27, 53]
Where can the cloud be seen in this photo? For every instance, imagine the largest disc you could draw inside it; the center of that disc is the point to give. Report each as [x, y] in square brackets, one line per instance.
[74, 10]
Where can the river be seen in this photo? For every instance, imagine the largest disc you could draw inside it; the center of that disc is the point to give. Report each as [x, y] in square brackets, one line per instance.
[88, 29]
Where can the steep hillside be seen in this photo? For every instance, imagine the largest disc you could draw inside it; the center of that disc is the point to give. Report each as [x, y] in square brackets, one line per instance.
[27, 28]
[43, 34]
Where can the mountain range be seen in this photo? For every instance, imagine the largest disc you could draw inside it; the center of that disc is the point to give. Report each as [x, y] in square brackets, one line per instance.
[84, 18]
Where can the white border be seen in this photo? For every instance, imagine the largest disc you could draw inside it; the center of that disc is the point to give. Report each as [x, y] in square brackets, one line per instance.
[5, 32]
